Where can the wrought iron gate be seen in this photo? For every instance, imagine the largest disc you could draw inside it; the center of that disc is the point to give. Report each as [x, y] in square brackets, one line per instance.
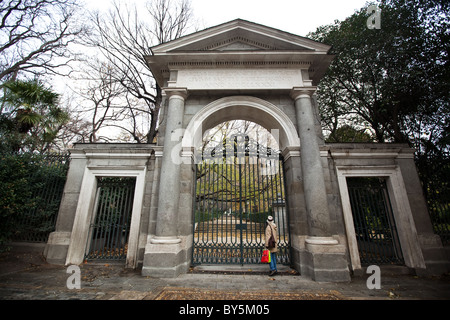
[375, 228]
[238, 185]
[109, 230]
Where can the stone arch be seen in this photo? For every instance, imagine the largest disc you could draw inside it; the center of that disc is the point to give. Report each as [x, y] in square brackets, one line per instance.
[248, 108]
[271, 118]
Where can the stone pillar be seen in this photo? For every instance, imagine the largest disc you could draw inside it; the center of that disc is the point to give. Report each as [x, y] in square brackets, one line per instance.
[324, 258]
[165, 252]
[58, 242]
[313, 178]
[169, 187]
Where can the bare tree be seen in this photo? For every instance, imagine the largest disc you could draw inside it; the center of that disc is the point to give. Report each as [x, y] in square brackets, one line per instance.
[103, 103]
[225, 130]
[171, 19]
[35, 34]
[102, 98]
[124, 36]
[76, 130]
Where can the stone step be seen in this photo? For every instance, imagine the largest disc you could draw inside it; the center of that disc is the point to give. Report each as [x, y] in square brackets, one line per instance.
[246, 268]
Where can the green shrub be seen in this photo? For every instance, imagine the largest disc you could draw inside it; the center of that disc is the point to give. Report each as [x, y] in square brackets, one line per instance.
[31, 187]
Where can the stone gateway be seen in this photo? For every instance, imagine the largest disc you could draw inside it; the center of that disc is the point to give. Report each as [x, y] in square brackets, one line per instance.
[241, 70]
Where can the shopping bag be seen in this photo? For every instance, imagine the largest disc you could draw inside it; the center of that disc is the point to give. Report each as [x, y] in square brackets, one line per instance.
[265, 256]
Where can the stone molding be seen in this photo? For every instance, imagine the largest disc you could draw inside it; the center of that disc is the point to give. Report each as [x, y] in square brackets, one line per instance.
[270, 113]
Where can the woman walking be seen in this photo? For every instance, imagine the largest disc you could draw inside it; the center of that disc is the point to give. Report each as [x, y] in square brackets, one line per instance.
[272, 246]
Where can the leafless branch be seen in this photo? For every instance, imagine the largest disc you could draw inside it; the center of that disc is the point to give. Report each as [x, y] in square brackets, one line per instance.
[35, 35]
[125, 37]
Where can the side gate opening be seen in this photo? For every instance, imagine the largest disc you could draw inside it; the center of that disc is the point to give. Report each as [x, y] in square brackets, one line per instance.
[375, 227]
[238, 185]
[110, 226]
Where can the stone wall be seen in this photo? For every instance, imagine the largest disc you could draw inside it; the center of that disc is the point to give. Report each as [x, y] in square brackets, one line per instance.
[66, 244]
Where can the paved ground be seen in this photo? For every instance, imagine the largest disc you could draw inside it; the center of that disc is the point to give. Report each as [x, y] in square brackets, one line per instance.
[26, 276]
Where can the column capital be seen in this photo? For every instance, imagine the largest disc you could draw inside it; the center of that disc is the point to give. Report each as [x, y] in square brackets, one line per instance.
[302, 92]
[179, 92]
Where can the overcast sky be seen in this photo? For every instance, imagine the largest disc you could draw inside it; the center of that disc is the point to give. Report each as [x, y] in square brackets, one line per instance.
[294, 16]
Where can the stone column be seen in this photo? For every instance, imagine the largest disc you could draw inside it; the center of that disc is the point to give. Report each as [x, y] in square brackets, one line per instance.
[313, 178]
[169, 187]
[323, 258]
[165, 252]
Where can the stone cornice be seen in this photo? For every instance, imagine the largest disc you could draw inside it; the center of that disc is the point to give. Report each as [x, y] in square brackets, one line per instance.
[304, 64]
[315, 62]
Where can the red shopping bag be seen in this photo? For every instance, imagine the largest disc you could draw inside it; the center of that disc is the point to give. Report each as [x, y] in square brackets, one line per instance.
[265, 256]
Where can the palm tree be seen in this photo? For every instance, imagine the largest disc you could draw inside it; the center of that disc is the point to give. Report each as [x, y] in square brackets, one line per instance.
[30, 117]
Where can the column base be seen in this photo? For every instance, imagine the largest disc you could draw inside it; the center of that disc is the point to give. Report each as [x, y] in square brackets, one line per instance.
[165, 259]
[437, 262]
[165, 240]
[324, 260]
[57, 246]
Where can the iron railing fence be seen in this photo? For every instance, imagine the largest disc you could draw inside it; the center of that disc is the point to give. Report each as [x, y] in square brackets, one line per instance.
[237, 187]
[34, 193]
[110, 225]
[374, 222]
[436, 187]
[440, 218]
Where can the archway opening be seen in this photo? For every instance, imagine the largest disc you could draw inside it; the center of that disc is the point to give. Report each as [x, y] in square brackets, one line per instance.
[248, 108]
[239, 182]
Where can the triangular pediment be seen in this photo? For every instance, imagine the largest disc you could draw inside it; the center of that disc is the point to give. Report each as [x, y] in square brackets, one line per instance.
[240, 35]
[239, 43]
